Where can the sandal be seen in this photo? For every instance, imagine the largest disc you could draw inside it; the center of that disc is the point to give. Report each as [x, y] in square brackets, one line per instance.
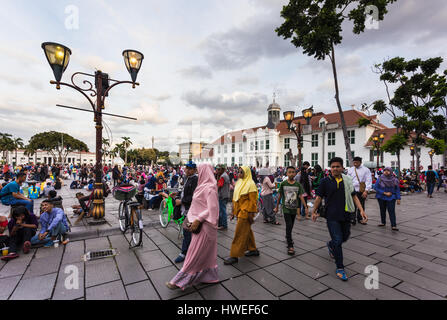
[276, 223]
[291, 251]
[171, 286]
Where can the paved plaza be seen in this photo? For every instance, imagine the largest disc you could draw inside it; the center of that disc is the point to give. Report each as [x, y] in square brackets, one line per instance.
[412, 263]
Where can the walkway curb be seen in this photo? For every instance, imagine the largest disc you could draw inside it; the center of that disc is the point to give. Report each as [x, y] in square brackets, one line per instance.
[98, 233]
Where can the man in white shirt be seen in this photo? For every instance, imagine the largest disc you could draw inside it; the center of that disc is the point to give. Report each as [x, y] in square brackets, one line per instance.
[360, 175]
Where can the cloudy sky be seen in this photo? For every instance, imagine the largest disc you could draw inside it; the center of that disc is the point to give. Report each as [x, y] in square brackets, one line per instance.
[210, 65]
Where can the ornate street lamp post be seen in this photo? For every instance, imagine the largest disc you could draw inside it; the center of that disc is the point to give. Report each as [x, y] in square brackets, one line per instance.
[296, 129]
[58, 57]
[431, 153]
[378, 140]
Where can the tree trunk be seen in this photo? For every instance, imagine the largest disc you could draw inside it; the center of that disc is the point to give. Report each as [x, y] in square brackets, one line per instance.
[398, 163]
[340, 111]
[418, 159]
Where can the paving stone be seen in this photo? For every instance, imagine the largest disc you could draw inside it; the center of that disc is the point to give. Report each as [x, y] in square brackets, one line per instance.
[408, 250]
[100, 271]
[245, 265]
[433, 275]
[305, 268]
[413, 278]
[108, 291]
[373, 240]
[156, 236]
[262, 260]
[383, 277]
[422, 263]
[7, 286]
[17, 266]
[37, 288]
[191, 296]
[417, 292]
[396, 262]
[143, 290]
[304, 284]
[372, 247]
[216, 292]
[61, 292]
[130, 268]
[324, 253]
[245, 288]
[152, 260]
[42, 266]
[382, 293]
[294, 295]
[49, 252]
[73, 252]
[330, 295]
[281, 254]
[270, 282]
[226, 272]
[97, 244]
[346, 289]
[440, 261]
[160, 277]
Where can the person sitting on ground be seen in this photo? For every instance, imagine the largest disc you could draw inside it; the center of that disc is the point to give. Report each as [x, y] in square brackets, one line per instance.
[4, 239]
[54, 225]
[82, 207]
[34, 191]
[22, 227]
[10, 194]
[47, 189]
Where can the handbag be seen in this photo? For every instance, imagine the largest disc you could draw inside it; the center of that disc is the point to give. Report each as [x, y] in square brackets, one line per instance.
[187, 226]
[362, 185]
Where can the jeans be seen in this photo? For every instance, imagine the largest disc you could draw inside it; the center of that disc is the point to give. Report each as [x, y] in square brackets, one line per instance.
[74, 176]
[223, 213]
[27, 204]
[35, 240]
[186, 241]
[22, 235]
[340, 232]
[290, 221]
[391, 206]
[303, 211]
[430, 187]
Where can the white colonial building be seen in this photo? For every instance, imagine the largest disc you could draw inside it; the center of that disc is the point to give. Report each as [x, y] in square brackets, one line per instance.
[273, 144]
[47, 158]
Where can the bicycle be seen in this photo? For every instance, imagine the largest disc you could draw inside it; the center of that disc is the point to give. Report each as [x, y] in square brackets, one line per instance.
[129, 220]
[167, 211]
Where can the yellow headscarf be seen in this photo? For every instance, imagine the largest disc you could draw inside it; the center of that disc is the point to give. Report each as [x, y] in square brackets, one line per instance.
[245, 185]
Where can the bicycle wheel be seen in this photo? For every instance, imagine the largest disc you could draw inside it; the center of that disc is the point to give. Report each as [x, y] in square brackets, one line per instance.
[136, 233]
[164, 214]
[122, 217]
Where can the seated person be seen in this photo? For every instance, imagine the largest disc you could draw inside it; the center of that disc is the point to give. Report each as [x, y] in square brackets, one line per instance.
[82, 207]
[152, 191]
[58, 184]
[140, 195]
[54, 225]
[4, 239]
[47, 189]
[22, 227]
[403, 185]
[10, 194]
[34, 191]
[57, 200]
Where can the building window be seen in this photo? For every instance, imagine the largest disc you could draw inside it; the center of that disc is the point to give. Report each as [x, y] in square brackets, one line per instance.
[218, 149]
[225, 148]
[256, 145]
[240, 147]
[267, 144]
[351, 136]
[330, 155]
[315, 140]
[240, 161]
[286, 160]
[286, 143]
[314, 161]
[331, 139]
[262, 145]
[251, 146]
[347, 159]
[233, 148]
[225, 161]
[232, 161]
[218, 160]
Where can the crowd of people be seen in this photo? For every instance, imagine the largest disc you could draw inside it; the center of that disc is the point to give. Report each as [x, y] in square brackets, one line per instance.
[338, 194]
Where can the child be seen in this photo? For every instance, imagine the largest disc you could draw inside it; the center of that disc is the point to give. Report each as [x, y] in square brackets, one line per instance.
[292, 192]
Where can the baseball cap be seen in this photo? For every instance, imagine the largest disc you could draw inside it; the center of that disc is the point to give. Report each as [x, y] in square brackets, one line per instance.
[191, 164]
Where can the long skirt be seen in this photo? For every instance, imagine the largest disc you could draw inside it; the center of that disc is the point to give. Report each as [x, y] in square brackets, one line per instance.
[244, 239]
[200, 264]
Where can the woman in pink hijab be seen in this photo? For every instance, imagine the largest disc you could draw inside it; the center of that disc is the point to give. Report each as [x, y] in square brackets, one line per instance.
[201, 260]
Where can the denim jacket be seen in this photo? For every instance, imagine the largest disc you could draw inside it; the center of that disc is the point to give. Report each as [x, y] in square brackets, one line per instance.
[395, 192]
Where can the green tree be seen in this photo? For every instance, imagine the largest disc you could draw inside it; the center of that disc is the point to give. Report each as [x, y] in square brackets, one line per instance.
[419, 96]
[52, 142]
[316, 27]
[6, 144]
[438, 145]
[126, 144]
[18, 143]
[105, 149]
[394, 145]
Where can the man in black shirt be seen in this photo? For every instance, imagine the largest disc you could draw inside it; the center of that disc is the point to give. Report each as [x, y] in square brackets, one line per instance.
[339, 196]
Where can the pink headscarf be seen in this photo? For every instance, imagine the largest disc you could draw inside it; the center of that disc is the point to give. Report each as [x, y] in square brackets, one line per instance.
[205, 203]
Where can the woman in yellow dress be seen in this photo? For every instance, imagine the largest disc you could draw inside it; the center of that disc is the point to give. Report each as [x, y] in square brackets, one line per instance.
[245, 200]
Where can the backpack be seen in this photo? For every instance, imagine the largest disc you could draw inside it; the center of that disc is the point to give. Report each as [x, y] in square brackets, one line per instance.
[431, 177]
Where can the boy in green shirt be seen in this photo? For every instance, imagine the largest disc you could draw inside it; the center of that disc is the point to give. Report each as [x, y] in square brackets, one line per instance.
[292, 193]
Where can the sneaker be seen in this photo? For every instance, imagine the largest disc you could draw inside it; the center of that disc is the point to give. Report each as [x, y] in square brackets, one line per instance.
[331, 252]
[341, 274]
[26, 247]
[180, 258]
[49, 244]
[10, 256]
[254, 253]
[230, 260]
